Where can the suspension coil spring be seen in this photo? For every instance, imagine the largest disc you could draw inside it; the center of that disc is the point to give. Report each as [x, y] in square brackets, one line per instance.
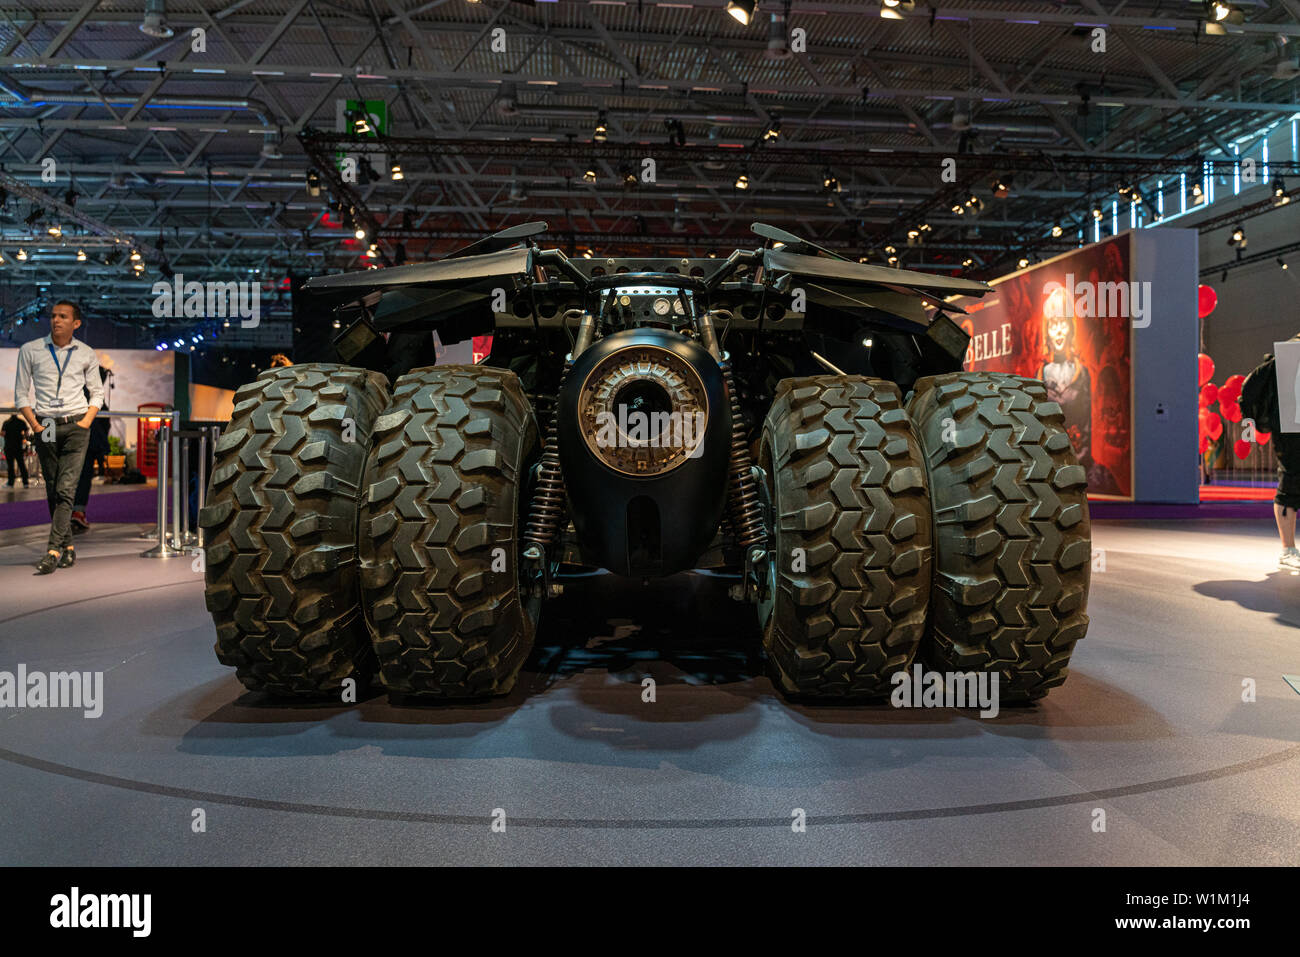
[547, 507]
[745, 511]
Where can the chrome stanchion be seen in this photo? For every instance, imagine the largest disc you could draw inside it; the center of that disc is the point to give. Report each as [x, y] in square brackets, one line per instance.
[187, 535]
[162, 549]
[203, 476]
[178, 542]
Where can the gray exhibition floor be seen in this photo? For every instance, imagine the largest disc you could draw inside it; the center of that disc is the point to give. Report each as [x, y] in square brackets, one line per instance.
[1151, 727]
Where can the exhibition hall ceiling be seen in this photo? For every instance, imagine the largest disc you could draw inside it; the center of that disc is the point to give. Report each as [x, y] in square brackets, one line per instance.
[199, 131]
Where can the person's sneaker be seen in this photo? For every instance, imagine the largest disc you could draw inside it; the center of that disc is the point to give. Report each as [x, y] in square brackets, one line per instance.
[47, 564]
[79, 521]
[1290, 558]
[69, 558]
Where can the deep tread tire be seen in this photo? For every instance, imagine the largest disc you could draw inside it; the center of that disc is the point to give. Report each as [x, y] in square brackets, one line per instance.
[280, 523]
[1012, 538]
[450, 458]
[848, 487]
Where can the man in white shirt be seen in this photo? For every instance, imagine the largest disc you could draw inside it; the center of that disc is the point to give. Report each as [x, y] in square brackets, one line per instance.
[61, 371]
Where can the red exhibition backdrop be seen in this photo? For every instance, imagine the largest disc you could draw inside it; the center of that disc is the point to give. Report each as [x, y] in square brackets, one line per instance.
[1080, 350]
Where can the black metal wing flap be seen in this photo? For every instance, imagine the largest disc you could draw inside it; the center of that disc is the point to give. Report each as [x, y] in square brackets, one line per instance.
[501, 264]
[821, 267]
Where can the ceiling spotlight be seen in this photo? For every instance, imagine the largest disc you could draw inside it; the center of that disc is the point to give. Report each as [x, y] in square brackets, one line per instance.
[773, 131]
[590, 175]
[56, 231]
[507, 103]
[742, 10]
[1097, 212]
[360, 232]
[968, 262]
[893, 260]
[829, 182]
[135, 256]
[713, 254]
[601, 133]
[1001, 186]
[1280, 198]
[958, 209]
[22, 255]
[360, 121]
[890, 250]
[894, 9]
[372, 252]
[1198, 194]
[1238, 238]
[742, 181]
[1023, 262]
[396, 172]
[313, 183]
[154, 23]
[1056, 231]
[1227, 13]
[1281, 262]
[586, 254]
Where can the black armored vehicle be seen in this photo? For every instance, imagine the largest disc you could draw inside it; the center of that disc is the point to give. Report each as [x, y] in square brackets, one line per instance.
[784, 416]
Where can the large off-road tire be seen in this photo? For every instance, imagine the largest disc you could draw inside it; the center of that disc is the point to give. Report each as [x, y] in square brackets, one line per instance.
[280, 521]
[851, 517]
[1012, 540]
[440, 533]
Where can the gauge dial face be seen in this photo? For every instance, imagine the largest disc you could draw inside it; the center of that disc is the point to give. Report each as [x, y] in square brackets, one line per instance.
[662, 307]
[678, 307]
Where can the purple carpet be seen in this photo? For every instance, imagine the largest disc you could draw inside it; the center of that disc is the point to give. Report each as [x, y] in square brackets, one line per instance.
[1145, 512]
[138, 505]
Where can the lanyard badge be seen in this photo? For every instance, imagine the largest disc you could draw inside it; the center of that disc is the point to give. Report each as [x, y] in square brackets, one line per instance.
[66, 359]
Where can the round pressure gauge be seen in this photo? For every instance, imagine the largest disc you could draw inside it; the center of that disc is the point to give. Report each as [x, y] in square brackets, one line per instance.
[662, 307]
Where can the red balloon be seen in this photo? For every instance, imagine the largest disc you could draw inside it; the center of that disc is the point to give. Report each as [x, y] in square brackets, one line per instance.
[1209, 395]
[1204, 368]
[1231, 411]
[1214, 427]
[1231, 388]
[1206, 300]
[1262, 437]
[1242, 448]
[1205, 443]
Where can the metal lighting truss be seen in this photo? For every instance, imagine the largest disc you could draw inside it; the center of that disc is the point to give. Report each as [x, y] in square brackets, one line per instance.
[210, 148]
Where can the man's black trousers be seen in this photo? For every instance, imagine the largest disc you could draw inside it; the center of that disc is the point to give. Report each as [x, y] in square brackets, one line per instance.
[61, 462]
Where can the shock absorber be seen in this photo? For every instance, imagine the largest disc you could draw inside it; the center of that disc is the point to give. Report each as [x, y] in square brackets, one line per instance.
[547, 507]
[745, 511]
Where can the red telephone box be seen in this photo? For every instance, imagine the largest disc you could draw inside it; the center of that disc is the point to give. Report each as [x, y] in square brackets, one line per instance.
[146, 437]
